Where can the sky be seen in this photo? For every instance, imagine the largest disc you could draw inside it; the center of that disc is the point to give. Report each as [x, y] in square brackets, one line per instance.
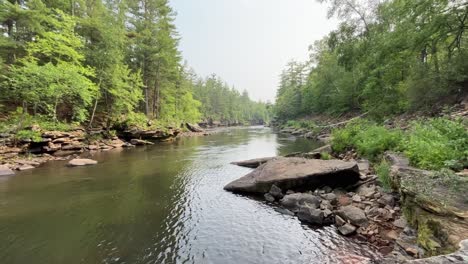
[249, 42]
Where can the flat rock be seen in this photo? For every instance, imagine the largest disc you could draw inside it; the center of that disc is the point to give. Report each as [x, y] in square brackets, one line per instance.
[25, 167]
[81, 162]
[296, 173]
[5, 171]
[140, 142]
[253, 163]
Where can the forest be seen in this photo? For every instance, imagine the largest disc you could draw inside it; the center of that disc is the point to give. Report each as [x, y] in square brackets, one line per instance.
[385, 58]
[98, 62]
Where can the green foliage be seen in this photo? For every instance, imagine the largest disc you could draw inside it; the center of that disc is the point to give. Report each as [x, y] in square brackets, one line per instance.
[325, 156]
[385, 58]
[383, 172]
[34, 136]
[437, 143]
[369, 140]
[307, 124]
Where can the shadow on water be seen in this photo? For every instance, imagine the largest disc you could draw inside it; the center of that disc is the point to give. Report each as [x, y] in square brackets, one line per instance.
[161, 204]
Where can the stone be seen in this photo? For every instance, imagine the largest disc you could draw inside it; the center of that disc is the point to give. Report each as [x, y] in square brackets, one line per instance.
[81, 162]
[387, 199]
[276, 192]
[400, 223]
[347, 229]
[339, 221]
[357, 198]
[5, 171]
[331, 197]
[366, 191]
[294, 173]
[325, 204]
[391, 235]
[353, 214]
[324, 149]
[310, 215]
[296, 200]
[140, 142]
[284, 211]
[269, 197]
[193, 127]
[253, 163]
[25, 167]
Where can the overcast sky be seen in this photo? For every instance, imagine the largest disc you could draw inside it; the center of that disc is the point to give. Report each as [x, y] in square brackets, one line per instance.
[248, 42]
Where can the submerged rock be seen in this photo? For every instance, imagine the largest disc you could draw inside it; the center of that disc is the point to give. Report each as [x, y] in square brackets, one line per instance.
[296, 173]
[81, 162]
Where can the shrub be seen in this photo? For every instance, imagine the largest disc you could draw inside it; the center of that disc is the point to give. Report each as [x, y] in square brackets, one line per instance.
[369, 140]
[374, 140]
[32, 135]
[437, 143]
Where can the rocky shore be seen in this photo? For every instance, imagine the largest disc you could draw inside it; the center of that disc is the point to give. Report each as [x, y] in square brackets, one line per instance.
[70, 145]
[347, 194]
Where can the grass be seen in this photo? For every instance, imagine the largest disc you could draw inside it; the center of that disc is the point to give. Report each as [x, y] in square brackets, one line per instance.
[383, 172]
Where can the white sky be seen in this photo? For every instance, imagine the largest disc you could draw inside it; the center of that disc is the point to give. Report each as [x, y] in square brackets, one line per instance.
[248, 42]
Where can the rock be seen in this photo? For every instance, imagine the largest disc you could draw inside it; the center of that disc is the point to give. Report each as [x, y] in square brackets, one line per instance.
[193, 127]
[27, 162]
[25, 167]
[325, 204]
[366, 191]
[294, 173]
[284, 211]
[331, 197]
[93, 147]
[5, 171]
[347, 229]
[387, 199]
[339, 221]
[309, 135]
[400, 223]
[276, 192]
[356, 198]
[353, 214]
[391, 235]
[296, 200]
[73, 146]
[81, 162]
[269, 197]
[310, 215]
[140, 142]
[253, 163]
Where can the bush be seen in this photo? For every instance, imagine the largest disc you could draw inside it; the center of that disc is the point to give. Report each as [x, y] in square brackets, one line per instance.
[374, 140]
[369, 140]
[437, 143]
[301, 124]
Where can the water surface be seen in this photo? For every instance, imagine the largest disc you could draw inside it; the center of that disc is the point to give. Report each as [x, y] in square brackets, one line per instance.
[161, 204]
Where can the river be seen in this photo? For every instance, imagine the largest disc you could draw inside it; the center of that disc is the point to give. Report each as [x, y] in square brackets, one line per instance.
[162, 204]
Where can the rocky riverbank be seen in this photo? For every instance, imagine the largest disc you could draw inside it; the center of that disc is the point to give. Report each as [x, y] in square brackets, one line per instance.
[400, 224]
[26, 154]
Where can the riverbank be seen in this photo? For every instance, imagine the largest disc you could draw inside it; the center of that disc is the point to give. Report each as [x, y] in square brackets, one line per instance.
[27, 154]
[424, 213]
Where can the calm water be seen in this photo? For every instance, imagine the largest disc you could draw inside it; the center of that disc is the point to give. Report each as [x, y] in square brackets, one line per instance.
[161, 204]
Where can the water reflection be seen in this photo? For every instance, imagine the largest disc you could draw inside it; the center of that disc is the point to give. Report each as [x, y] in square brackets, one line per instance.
[160, 204]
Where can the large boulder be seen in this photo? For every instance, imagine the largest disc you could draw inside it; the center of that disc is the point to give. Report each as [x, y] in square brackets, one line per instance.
[296, 173]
